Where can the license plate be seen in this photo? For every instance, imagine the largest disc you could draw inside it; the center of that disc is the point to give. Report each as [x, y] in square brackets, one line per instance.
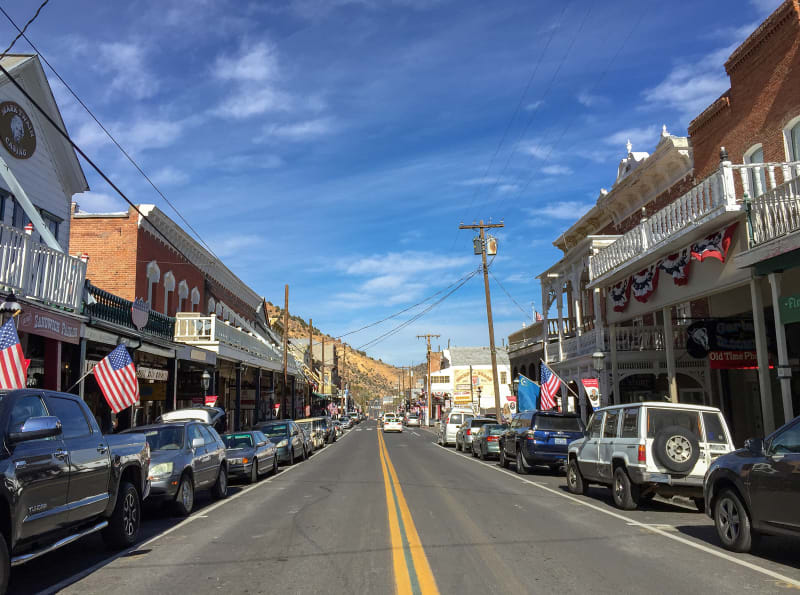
[561, 440]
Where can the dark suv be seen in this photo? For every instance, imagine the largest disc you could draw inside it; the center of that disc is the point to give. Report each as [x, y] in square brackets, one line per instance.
[539, 438]
[755, 490]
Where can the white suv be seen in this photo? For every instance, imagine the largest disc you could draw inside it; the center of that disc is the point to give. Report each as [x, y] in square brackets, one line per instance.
[448, 426]
[643, 449]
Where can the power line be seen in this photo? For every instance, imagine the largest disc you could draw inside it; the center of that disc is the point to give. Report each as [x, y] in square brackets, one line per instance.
[103, 128]
[22, 31]
[527, 314]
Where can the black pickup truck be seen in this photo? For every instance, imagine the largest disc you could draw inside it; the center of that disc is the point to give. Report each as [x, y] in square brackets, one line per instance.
[62, 479]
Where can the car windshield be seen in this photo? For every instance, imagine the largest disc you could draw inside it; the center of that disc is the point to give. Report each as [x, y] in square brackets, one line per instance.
[477, 423]
[456, 418]
[237, 440]
[275, 430]
[559, 423]
[494, 429]
[306, 425]
[170, 438]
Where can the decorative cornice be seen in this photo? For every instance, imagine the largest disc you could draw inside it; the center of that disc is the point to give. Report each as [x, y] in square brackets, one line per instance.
[708, 114]
[782, 15]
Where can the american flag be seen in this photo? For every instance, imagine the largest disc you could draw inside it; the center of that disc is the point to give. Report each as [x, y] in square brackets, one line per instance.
[538, 316]
[12, 360]
[116, 376]
[549, 383]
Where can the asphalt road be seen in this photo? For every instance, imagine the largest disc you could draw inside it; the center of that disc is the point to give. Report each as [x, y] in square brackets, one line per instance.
[378, 513]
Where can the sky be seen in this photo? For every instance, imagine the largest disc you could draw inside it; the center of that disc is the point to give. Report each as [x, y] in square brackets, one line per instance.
[336, 145]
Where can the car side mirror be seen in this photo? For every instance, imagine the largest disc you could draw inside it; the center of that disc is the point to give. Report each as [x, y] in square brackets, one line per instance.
[755, 446]
[260, 444]
[197, 443]
[36, 428]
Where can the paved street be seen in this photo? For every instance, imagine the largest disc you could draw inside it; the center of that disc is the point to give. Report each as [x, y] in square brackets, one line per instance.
[343, 522]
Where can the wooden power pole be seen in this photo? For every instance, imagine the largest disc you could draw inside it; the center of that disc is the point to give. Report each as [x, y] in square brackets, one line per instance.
[310, 358]
[428, 388]
[285, 353]
[482, 227]
[322, 367]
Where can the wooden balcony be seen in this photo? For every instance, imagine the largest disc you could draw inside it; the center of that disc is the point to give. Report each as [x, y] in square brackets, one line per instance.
[629, 338]
[114, 309]
[776, 212]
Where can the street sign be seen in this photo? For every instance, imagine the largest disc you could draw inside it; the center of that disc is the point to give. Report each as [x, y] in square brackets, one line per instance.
[790, 309]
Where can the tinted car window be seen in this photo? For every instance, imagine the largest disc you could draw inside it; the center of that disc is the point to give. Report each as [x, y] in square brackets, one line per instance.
[237, 440]
[207, 435]
[456, 418]
[477, 423]
[558, 423]
[275, 430]
[714, 428]
[194, 432]
[787, 441]
[495, 429]
[658, 419]
[610, 428]
[630, 423]
[170, 438]
[73, 421]
[27, 406]
[596, 424]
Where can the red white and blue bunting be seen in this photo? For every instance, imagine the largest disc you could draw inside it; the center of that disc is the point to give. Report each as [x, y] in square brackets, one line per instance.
[677, 266]
[645, 283]
[714, 246]
[620, 295]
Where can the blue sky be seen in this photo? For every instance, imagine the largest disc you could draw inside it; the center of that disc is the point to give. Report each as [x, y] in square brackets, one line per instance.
[335, 145]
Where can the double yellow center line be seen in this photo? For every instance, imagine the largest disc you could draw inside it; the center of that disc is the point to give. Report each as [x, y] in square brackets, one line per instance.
[412, 573]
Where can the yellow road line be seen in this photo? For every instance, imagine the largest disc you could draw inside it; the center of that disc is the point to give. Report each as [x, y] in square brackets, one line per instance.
[412, 574]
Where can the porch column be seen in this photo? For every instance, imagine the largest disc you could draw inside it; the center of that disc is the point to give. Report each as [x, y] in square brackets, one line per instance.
[172, 385]
[258, 395]
[669, 347]
[614, 367]
[238, 406]
[762, 356]
[560, 307]
[784, 369]
[578, 313]
[598, 321]
[81, 367]
[545, 323]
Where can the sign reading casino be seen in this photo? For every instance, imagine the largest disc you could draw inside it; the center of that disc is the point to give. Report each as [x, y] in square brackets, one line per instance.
[16, 130]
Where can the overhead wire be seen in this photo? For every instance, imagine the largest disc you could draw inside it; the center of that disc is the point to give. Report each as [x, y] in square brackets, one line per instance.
[525, 312]
[22, 31]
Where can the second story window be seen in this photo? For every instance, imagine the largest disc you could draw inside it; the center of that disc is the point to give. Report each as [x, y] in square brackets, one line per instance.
[757, 177]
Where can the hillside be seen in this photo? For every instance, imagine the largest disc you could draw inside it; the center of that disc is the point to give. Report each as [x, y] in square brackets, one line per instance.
[368, 378]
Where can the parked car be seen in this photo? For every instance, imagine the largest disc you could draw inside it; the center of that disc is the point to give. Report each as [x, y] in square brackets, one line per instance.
[338, 429]
[486, 440]
[287, 437]
[448, 426]
[465, 431]
[392, 423]
[315, 428]
[644, 449]
[308, 438]
[539, 438]
[346, 422]
[413, 421]
[213, 416]
[250, 455]
[62, 479]
[186, 456]
[754, 491]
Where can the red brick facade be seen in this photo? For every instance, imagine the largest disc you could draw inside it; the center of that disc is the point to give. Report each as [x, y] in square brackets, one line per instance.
[764, 96]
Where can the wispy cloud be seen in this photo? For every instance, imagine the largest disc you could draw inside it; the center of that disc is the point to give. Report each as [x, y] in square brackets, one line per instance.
[252, 63]
[588, 100]
[534, 105]
[556, 170]
[537, 149]
[99, 202]
[169, 176]
[644, 137]
[567, 210]
[519, 278]
[127, 63]
[301, 131]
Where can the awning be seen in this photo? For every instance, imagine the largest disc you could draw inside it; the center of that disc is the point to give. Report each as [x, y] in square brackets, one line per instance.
[321, 397]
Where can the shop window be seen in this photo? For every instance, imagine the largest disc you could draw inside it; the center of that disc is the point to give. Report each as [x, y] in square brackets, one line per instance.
[757, 177]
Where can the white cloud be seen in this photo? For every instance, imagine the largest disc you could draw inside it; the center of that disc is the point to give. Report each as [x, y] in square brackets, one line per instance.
[534, 105]
[89, 136]
[641, 138]
[568, 210]
[587, 99]
[519, 278]
[127, 63]
[556, 170]
[99, 202]
[236, 246]
[482, 181]
[242, 162]
[247, 103]
[169, 176]
[300, 131]
[765, 7]
[148, 133]
[255, 63]
[402, 263]
[507, 188]
[537, 149]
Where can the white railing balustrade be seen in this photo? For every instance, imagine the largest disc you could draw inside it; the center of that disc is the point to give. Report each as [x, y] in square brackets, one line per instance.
[36, 271]
[776, 212]
[629, 338]
[198, 329]
[552, 352]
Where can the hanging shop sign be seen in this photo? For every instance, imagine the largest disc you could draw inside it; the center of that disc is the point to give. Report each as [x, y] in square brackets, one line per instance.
[152, 374]
[719, 334]
[790, 309]
[16, 130]
[732, 360]
[54, 326]
[592, 388]
[140, 313]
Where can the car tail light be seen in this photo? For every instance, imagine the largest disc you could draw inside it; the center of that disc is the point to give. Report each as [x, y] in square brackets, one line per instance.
[491, 438]
[531, 435]
[469, 432]
[642, 453]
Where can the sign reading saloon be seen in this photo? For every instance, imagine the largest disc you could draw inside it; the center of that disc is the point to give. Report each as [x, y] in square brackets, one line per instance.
[16, 130]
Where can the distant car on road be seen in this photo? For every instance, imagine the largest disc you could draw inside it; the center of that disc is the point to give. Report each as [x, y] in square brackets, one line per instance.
[755, 491]
[539, 438]
[413, 421]
[392, 423]
[448, 426]
[186, 456]
[486, 440]
[250, 455]
[287, 437]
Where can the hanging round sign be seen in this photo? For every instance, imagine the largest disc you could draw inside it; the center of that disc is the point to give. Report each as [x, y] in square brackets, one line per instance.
[16, 130]
[140, 313]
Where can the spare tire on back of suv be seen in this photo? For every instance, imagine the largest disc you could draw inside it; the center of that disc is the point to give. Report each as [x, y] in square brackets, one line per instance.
[677, 449]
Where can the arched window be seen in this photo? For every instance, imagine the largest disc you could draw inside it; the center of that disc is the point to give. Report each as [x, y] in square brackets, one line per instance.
[792, 135]
[153, 277]
[183, 293]
[212, 306]
[195, 299]
[756, 176]
[169, 287]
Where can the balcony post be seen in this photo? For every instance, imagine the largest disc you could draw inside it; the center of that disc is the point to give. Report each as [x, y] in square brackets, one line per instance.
[258, 395]
[762, 356]
[614, 367]
[669, 350]
[238, 406]
[784, 368]
[545, 322]
[598, 321]
[560, 307]
[726, 176]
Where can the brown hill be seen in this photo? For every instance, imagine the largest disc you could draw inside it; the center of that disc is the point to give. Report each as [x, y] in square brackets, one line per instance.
[367, 377]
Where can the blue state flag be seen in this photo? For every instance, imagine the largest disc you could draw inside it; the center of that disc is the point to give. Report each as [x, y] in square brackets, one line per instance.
[527, 394]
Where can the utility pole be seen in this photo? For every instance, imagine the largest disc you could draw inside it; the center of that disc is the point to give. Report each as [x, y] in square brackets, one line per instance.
[428, 388]
[342, 381]
[322, 367]
[482, 227]
[310, 358]
[285, 352]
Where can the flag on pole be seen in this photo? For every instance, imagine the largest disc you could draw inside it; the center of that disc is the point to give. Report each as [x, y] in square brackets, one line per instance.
[527, 394]
[550, 385]
[12, 361]
[116, 376]
[538, 316]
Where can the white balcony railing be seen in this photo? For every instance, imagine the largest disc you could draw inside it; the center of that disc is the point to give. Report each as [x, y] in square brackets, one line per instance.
[629, 338]
[36, 271]
[196, 329]
[776, 212]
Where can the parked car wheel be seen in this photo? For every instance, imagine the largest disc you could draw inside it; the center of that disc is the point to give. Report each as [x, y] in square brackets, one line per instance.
[575, 481]
[732, 522]
[677, 449]
[220, 490]
[504, 462]
[184, 499]
[291, 456]
[624, 493]
[480, 453]
[522, 468]
[123, 526]
[254, 472]
[700, 503]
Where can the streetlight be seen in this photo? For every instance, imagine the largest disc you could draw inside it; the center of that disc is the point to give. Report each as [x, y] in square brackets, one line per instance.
[598, 362]
[515, 386]
[205, 379]
[10, 305]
